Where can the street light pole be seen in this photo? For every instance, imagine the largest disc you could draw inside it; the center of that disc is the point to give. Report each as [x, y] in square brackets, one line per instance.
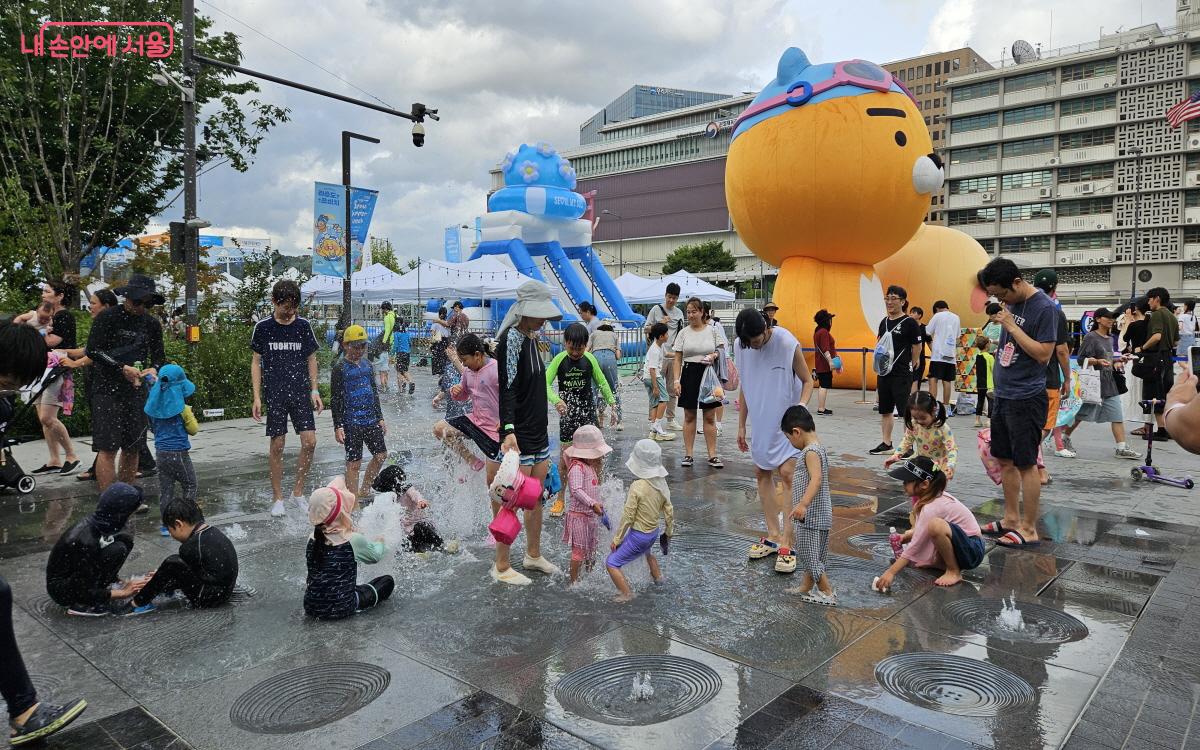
[344, 319]
[191, 251]
[1137, 217]
[620, 237]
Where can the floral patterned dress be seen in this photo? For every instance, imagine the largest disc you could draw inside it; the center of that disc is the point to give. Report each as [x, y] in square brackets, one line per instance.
[936, 443]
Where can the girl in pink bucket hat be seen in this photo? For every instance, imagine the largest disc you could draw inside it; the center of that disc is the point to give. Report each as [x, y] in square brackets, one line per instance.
[585, 459]
[330, 591]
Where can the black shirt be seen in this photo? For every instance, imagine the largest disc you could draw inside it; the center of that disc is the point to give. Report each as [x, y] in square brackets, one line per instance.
[906, 333]
[284, 350]
[523, 399]
[74, 575]
[1137, 333]
[63, 326]
[119, 337]
[211, 555]
[1054, 373]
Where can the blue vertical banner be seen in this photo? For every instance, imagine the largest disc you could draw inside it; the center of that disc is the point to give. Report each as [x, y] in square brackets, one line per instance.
[453, 245]
[329, 235]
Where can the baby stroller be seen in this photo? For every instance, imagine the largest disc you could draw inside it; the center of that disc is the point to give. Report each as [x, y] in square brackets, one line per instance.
[11, 473]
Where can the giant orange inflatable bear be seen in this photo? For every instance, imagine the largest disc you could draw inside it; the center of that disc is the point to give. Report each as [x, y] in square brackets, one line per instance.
[830, 171]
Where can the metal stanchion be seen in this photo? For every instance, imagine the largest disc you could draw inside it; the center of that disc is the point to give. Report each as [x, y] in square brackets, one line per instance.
[863, 400]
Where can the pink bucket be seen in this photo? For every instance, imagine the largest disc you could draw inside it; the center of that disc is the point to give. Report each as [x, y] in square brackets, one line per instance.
[524, 493]
[505, 526]
[990, 464]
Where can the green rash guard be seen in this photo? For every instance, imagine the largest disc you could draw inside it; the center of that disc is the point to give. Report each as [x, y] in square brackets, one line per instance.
[574, 377]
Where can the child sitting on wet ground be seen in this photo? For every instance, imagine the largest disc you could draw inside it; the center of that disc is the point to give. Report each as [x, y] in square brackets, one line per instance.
[649, 498]
[331, 591]
[927, 434]
[87, 559]
[205, 569]
[945, 533]
[393, 486]
[172, 421]
[576, 371]
[585, 457]
[812, 509]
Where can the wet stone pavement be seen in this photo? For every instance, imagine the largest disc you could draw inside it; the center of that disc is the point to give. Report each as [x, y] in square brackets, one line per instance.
[1086, 642]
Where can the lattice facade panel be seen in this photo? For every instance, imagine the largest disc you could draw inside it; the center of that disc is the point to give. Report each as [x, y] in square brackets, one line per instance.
[1158, 173]
[1153, 137]
[1084, 274]
[1191, 271]
[1152, 64]
[1144, 102]
[1157, 243]
[1158, 209]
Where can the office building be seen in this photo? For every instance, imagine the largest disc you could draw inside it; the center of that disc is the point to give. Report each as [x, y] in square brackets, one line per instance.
[925, 77]
[640, 101]
[1066, 160]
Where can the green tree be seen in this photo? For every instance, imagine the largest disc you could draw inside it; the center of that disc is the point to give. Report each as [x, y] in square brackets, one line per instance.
[413, 263]
[384, 253]
[154, 259]
[19, 271]
[700, 258]
[88, 138]
[257, 266]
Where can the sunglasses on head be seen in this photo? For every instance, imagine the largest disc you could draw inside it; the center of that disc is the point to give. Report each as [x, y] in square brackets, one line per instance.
[859, 73]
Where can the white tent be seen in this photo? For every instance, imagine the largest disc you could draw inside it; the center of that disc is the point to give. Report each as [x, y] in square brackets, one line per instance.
[489, 276]
[375, 283]
[649, 291]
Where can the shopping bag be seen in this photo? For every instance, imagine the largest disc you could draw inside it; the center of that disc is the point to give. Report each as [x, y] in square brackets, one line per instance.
[711, 391]
[1070, 402]
[966, 403]
[991, 465]
[734, 380]
[1089, 385]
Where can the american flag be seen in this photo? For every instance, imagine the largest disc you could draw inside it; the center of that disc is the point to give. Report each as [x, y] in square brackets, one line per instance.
[1188, 109]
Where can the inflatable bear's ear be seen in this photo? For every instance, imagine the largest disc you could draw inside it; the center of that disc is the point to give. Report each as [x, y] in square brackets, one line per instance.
[792, 62]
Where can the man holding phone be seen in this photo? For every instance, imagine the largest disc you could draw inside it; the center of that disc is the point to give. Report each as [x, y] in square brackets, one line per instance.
[1159, 353]
[1182, 414]
[1029, 333]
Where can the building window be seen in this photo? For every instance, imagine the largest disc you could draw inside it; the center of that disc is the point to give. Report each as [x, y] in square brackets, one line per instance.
[937, 68]
[1085, 275]
[974, 122]
[1193, 162]
[1018, 180]
[1087, 138]
[1092, 69]
[975, 91]
[1191, 235]
[1085, 241]
[1025, 212]
[1029, 146]
[1026, 244]
[900, 75]
[937, 85]
[972, 216]
[1086, 173]
[973, 185]
[1030, 81]
[1086, 207]
[1191, 198]
[968, 155]
[955, 63]
[1194, 51]
[937, 102]
[1086, 104]
[910, 74]
[1029, 114]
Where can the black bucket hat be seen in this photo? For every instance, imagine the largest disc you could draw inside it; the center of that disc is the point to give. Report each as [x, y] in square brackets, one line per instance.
[140, 288]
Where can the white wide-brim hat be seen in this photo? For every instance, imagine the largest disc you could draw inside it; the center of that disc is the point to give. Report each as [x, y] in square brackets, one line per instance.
[533, 301]
[646, 460]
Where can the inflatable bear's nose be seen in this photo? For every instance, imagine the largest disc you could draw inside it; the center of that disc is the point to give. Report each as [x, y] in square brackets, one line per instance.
[928, 174]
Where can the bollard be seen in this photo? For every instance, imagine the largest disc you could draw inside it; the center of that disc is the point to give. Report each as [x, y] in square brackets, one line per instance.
[863, 400]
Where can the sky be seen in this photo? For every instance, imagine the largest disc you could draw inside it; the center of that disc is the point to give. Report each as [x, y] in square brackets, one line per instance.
[501, 74]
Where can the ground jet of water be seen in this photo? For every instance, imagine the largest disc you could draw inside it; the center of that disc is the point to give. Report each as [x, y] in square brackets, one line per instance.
[1010, 617]
[642, 689]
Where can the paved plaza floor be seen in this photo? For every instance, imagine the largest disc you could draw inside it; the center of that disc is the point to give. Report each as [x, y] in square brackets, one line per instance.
[1107, 658]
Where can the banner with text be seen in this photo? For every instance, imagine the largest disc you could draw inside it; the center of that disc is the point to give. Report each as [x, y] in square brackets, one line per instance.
[453, 245]
[329, 236]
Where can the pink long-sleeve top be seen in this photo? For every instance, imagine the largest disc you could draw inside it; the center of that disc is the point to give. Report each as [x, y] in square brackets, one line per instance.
[482, 388]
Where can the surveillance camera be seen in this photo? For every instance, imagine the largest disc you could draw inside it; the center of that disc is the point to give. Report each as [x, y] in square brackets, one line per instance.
[418, 134]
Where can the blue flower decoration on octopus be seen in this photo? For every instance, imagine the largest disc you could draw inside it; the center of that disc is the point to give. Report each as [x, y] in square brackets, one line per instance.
[540, 182]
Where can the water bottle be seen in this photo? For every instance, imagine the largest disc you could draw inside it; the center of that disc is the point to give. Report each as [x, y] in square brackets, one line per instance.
[894, 539]
[138, 366]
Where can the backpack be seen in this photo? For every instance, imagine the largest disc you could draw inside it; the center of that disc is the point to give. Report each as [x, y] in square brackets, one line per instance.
[885, 350]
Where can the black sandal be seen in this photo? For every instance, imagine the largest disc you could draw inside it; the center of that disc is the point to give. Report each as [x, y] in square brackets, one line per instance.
[46, 469]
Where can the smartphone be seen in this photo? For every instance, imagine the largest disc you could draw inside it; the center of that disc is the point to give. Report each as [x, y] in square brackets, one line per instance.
[1194, 362]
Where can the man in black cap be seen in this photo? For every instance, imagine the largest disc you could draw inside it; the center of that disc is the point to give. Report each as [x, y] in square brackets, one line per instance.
[121, 337]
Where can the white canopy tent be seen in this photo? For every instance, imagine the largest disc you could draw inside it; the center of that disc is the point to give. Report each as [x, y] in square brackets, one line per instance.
[638, 290]
[490, 277]
[372, 284]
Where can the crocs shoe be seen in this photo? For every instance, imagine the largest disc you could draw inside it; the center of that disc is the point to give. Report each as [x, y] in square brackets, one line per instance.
[277, 509]
[763, 548]
[556, 510]
[541, 564]
[509, 576]
[452, 547]
[786, 561]
[816, 596]
[46, 719]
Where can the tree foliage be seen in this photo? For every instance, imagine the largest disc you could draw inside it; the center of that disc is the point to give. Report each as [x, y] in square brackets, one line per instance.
[79, 134]
[153, 258]
[257, 278]
[700, 258]
[384, 253]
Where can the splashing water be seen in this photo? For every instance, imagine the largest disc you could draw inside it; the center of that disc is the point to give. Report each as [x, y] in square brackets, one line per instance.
[235, 532]
[1010, 617]
[642, 689]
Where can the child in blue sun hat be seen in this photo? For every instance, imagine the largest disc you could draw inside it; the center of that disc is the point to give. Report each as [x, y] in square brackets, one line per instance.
[172, 421]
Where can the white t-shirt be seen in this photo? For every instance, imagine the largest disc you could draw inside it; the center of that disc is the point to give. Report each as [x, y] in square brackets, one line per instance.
[695, 345]
[1187, 324]
[673, 317]
[943, 329]
[769, 386]
[654, 360]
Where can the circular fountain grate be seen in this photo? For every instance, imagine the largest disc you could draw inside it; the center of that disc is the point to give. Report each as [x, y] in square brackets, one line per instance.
[857, 574]
[601, 691]
[747, 485]
[308, 697]
[953, 684]
[1042, 624]
[842, 499]
[725, 545]
[876, 544]
[242, 593]
[48, 687]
